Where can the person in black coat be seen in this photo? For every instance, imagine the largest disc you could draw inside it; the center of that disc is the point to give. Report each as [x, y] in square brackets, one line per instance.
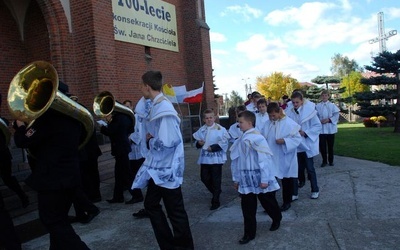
[6, 170]
[53, 141]
[119, 127]
[8, 236]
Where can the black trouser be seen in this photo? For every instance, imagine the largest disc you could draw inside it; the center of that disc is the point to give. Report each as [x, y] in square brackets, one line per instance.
[53, 206]
[82, 204]
[134, 168]
[249, 209]
[8, 237]
[326, 141]
[122, 176]
[211, 175]
[287, 190]
[181, 236]
[6, 174]
[91, 178]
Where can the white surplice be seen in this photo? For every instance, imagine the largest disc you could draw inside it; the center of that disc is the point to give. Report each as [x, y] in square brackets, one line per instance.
[252, 163]
[284, 155]
[138, 137]
[308, 120]
[165, 159]
[235, 132]
[214, 134]
[328, 110]
[261, 119]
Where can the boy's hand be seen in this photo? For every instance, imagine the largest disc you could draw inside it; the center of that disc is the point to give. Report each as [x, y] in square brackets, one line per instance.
[263, 185]
[280, 141]
[236, 185]
[201, 142]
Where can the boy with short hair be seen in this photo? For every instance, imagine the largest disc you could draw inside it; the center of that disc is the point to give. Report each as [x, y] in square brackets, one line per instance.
[253, 176]
[234, 130]
[328, 114]
[261, 116]
[212, 138]
[283, 137]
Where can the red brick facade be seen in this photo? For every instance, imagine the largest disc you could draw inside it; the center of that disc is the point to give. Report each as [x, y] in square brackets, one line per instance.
[88, 58]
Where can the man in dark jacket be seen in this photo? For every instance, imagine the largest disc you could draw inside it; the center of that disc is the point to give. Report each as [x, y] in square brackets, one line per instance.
[53, 141]
[120, 126]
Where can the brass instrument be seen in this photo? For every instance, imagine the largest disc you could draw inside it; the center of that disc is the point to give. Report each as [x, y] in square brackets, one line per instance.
[34, 89]
[104, 104]
[4, 129]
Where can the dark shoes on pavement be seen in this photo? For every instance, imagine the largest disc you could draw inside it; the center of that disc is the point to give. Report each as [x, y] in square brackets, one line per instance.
[285, 206]
[246, 239]
[215, 206]
[275, 225]
[85, 218]
[134, 200]
[142, 213]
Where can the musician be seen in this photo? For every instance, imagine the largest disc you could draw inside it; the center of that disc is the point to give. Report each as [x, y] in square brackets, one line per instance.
[119, 127]
[8, 237]
[53, 140]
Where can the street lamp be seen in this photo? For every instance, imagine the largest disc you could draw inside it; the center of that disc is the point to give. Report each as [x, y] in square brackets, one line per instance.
[247, 88]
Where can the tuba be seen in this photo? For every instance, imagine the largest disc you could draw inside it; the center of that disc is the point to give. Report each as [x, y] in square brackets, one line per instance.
[6, 132]
[104, 104]
[35, 89]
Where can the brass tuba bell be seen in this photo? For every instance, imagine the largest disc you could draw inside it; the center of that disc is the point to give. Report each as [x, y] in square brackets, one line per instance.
[34, 89]
[104, 104]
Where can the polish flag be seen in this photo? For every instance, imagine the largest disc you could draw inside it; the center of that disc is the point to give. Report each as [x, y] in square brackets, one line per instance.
[194, 96]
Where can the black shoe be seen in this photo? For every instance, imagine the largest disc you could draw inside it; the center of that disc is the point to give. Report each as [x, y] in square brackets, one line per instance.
[285, 206]
[246, 239]
[115, 201]
[275, 226]
[331, 164]
[89, 217]
[142, 213]
[214, 206]
[134, 200]
[301, 184]
[323, 165]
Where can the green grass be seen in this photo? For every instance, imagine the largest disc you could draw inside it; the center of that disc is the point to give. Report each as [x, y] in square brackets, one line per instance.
[373, 144]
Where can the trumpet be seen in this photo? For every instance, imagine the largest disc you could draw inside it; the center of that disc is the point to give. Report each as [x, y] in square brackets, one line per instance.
[104, 104]
[34, 89]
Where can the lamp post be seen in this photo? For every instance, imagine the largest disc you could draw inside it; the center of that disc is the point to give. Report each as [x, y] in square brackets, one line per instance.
[246, 87]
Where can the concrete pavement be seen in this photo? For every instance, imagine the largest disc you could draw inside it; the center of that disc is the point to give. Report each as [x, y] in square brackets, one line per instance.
[358, 208]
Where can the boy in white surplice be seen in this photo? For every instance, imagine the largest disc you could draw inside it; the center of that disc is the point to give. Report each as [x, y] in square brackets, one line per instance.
[212, 138]
[253, 174]
[283, 137]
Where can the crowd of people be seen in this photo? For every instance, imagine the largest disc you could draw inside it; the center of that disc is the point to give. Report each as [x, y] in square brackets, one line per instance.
[271, 145]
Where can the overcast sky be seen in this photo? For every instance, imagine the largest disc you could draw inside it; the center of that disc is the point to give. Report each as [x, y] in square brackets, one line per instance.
[251, 38]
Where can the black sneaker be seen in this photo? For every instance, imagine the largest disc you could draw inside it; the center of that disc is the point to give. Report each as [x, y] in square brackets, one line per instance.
[142, 213]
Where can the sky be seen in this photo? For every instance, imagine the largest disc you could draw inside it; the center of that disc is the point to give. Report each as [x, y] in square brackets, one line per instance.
[251, 38]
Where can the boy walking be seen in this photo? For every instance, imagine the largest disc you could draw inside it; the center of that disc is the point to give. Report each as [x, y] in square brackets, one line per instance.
[253, 176]
[212, 138]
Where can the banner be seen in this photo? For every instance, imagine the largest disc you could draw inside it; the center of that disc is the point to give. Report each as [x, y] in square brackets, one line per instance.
[169, 92]
[150, 23]
[194, 96]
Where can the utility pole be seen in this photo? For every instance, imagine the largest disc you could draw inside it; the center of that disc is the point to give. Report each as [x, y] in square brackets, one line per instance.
[382, 36]
[247, 88]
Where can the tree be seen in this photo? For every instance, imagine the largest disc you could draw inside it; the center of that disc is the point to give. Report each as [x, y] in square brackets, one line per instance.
[342, 66]
[276, 85]
[381, 102]
[352, 84]
[326, 80]
[234, 100]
